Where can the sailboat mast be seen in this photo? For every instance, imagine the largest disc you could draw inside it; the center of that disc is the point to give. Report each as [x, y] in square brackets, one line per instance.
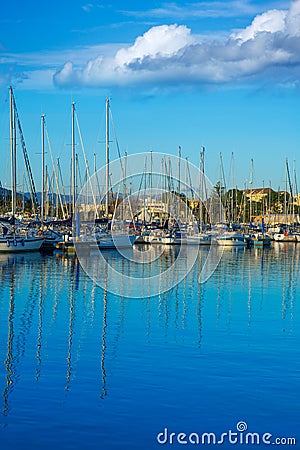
[23, 195]
[151, 169]
[13, 154]
[107, 158]
[291, 195]
[179, 159]
[232, 215]
[201, 188]
[222, 189]
[43, 169]
[73, 168]
[251, 189]
[285, 195]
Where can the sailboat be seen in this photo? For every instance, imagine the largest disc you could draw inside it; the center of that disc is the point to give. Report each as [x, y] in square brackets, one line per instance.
[16, 243]
[14, 239]
[260, 238]
[286, 233]
[231, 239]
[111, 239]
[197, 236]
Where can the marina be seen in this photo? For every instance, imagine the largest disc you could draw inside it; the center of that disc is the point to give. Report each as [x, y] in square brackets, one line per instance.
[149, 225]
[149, 198]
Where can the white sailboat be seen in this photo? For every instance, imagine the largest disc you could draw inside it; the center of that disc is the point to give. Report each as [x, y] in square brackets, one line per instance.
[15, 243]
[285, 236]
[112, 236]
[113, 241]
[116, 237]
[13, 240]
[198, 239]
[231, 239]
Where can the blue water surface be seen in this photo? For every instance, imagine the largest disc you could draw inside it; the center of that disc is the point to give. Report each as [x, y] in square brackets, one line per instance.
[84, 369]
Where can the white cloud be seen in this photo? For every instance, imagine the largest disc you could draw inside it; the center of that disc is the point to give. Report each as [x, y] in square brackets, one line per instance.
[270, 21]
[268, 49]
[161, 41]
[293, 19]
[286, 22]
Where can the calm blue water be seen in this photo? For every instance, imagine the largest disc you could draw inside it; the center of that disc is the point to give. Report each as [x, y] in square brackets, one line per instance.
[84, 369]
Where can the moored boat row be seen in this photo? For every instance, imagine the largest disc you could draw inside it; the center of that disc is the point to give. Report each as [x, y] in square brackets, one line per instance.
[39, 236]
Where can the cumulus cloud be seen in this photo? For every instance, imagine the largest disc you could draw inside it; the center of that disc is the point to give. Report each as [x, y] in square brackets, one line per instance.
[161, 41]
[293, 19]
[268, 49]
[271, 22]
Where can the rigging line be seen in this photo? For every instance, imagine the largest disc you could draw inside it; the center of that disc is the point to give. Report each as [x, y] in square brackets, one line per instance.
[78, 171]
[190, 180]
[50, 191]
[295, 181]
[166, 181]
[62, 184]
[97, 179]
[117, 143]
[142, 179]
[122, 167]
[171, 177]
[33, 195]
[56, 177]
[289, 177]
[223, 173]
[115, 209]
[119, 152]
[86, 165]
[208, 216]
[118, 148]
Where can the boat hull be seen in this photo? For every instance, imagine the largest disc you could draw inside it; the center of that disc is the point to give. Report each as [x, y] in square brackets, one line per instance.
[116, 241]
[283, 237]
[20, 245]
[260, 241]
[198, 240]
[231, 241]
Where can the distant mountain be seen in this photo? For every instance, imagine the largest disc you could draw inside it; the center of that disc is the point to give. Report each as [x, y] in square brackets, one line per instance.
[6, 193]
[65, 199]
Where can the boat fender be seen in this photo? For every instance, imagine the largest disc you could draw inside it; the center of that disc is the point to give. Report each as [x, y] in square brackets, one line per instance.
[23, 242]
[15, 242]
[8, 243]
[285, 233]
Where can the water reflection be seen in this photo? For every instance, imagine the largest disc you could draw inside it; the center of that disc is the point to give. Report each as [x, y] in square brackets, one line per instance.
[42, 288]
[9, 361]
[103, 344]
[52, 307]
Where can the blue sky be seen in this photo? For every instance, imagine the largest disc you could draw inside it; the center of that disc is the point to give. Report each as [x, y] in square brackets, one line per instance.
[223, 74]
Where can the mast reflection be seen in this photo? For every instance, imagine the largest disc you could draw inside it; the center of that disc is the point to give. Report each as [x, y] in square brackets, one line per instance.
[54, 309]
[9, 361]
